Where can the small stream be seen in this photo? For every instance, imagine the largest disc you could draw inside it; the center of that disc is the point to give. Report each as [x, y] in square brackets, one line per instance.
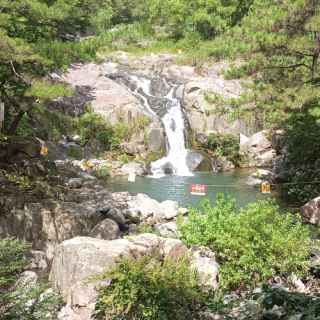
[178, 188]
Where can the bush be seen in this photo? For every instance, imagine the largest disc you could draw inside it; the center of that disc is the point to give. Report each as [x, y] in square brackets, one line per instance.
[300, 164]
[93, 127]
[252, 244]
[102, 173]
[147, 289]
[225, 145]
[22, 302]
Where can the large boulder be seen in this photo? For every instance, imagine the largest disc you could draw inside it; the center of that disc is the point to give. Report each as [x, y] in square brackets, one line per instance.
[204, 262]
[310, 212]
[46, 224]
[106, 229]
[87, 257]
[258, 150]
[150, 208]
[78, 260]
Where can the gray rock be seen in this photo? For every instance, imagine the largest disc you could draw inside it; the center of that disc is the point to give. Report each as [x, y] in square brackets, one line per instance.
[134, 168]
[28, 279]
[222, 164]
[156, 140]
[106, 229]
[198, 162]
[113, 214]
[38, 260]
[202, 138]
[167, 230]
[203, 261]
[254, 182]
[310, 212]
[146, 206]
[133, 148]
[151, 208]
[76, 138]
[47, 224]
[170, 209]
[75, 183]
[132, 215]
[88, 256]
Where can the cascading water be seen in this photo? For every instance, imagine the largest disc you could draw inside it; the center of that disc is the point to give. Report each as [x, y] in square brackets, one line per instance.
[174, 125]
[168, 108]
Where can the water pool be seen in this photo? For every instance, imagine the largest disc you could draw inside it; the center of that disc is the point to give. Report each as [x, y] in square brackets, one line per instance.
[178, 188]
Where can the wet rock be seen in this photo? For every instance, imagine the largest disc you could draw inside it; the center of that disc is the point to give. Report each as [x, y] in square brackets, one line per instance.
[254, 182]
[263, 174]
[107, 229]
[310, 212]
[197, 161]
[156, 140]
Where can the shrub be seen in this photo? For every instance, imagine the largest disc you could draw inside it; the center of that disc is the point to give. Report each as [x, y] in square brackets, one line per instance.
[22, 302]
[147, 289]
[252, 244]
[102, 173]
[299, 168]
[93, 127]
[225, 145]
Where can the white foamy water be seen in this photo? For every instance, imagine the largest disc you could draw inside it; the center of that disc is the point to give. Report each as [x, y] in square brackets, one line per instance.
[174, 124]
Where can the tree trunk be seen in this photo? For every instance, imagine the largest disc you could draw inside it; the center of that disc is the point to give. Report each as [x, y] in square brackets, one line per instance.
[15, 123]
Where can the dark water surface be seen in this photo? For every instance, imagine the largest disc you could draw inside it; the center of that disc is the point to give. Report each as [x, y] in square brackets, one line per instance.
[178, 188]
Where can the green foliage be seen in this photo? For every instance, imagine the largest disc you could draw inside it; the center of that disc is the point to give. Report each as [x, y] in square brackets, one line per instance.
[12, 260]
[147, 289]
[102, 173]
[293, 303]
[226, 145]
[278, 44]
[75, 152]
[21, 301]
[145, 228]
[300, 164]
[252, 244]
[93, 127]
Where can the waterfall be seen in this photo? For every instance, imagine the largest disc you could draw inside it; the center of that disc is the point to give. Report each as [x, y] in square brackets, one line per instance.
[169, 109]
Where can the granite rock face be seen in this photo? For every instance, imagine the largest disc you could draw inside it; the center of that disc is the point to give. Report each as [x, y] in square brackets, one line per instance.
[79, 259]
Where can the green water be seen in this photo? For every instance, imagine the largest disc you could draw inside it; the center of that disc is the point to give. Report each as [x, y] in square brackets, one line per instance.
[178, 188]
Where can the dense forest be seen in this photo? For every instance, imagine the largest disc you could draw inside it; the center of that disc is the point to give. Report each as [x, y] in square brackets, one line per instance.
[271, 46]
